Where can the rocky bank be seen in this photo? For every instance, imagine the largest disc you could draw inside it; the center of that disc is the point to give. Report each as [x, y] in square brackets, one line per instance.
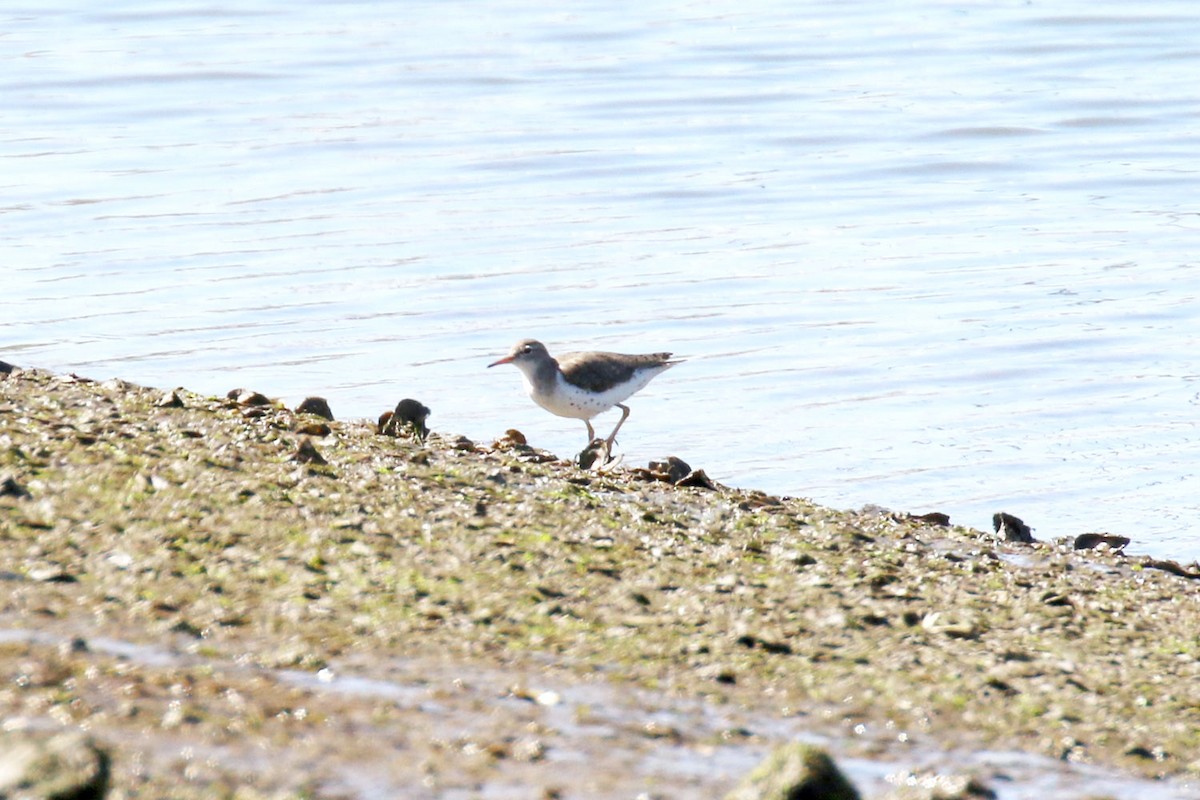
[235, 599]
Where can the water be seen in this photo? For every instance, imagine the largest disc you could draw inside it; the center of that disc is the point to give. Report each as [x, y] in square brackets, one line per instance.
[932, 256]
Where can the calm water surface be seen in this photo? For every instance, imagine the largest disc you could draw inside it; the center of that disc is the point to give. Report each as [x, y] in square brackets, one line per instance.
[931, 255]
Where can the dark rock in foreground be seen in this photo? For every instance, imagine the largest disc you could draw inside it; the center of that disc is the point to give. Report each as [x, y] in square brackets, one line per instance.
[795, 772]
[68, 766]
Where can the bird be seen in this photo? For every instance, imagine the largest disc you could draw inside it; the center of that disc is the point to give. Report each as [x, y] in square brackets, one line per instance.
[582, 385]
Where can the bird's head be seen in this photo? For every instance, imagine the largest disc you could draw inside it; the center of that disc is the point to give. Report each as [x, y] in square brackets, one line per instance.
[525, 353]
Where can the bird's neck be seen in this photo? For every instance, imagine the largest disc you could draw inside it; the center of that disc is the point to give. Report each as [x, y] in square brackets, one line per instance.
[542, 377]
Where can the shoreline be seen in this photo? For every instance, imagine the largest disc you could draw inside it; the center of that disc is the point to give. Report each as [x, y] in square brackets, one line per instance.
[208, 531]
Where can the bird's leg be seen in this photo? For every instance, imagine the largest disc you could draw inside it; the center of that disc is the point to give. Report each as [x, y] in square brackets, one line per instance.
[612, 437]
[591, 431]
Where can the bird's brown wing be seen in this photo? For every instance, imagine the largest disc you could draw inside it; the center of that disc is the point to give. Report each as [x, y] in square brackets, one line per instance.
[596, 372]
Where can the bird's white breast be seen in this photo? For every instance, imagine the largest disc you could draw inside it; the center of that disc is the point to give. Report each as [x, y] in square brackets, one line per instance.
[568, 400]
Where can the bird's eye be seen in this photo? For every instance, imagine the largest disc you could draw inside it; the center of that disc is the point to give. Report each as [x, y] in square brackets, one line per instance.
[526, 349]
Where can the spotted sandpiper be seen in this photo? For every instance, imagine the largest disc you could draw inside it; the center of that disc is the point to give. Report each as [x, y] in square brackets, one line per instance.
[582, 385]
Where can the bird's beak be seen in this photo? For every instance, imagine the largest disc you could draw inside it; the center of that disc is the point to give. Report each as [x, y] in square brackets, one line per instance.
[505, 360]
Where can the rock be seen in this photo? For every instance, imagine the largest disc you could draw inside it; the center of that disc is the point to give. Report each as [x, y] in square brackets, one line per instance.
[307, 453]
[672, 470]
[50, 573]
[463, 445]
[595, 452]
[1088, 541]
[795, 772]
[117, 385]
[6, 369]
[409, 414]
[515, 437]
[315, 405]
[957, 626]
[1056, 599]
[10, 488]
[770, 645]
[718, 673]
[697, 477]
[514, 441]
[675, 471]
[1173, 567]
[248, 397]
[1147, 753]
[68, 766]
[932, 786]
[932, 518]
[1015, 530]
[319, 429]
[170, 400]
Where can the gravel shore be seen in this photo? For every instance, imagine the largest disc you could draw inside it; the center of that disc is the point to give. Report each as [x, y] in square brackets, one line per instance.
[235, 599]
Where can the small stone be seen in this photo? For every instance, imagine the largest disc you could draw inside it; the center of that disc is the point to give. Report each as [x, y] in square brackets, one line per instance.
[717, 673]
[965, 627]
[1156, 753]
[73, 647]
[187, 629]
[307, 453]
[697, 478]
[1015, 529]
[672, 469]
[315, 405]
[174, 716]
[1056, 599]
[795, 771]
[658, 730]
[529, 750]
[117, 385]
[410, 414]
[248, 397]
[51, 574]
[933, 786]
[932, 518]
[152, 482]
[802, 559]
[594, 455]
[512, 439]
[170, 400]
[10, 488]
[1090, 541]
[414, 413]
[319, 429]
[68, 766]
[1173, 567]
